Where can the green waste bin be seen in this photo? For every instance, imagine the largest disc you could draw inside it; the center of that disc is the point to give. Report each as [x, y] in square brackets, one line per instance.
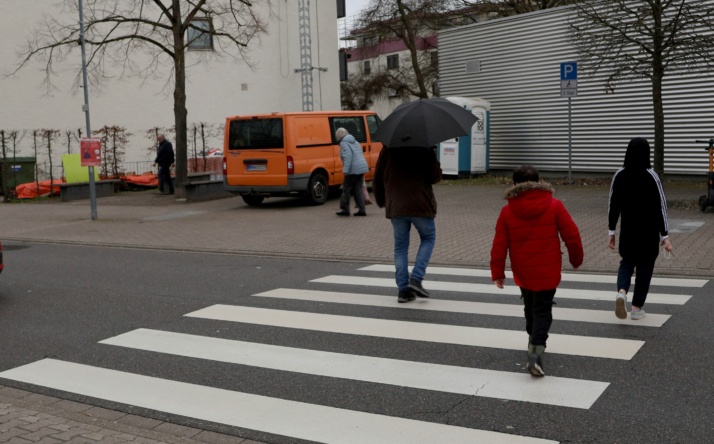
[16, 171]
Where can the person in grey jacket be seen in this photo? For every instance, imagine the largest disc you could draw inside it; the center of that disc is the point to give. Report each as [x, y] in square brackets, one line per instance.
[354, 167]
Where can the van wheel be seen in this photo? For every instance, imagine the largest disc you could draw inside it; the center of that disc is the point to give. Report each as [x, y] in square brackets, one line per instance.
[253, 201]
[317, 189]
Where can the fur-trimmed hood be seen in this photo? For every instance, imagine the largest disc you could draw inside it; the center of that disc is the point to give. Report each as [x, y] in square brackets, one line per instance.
[517, 189]
[529, 200]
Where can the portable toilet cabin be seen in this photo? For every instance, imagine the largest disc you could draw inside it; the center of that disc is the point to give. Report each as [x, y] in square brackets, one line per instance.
[468, 155]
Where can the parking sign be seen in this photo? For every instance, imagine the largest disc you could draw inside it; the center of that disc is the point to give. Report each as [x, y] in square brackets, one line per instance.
[568, 79]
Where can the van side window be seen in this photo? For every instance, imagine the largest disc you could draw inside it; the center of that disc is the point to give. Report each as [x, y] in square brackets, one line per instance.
[256, 133]
[373, 123]
[353, 124]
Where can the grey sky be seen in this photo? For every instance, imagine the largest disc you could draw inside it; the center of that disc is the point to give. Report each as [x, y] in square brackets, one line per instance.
[355, 6]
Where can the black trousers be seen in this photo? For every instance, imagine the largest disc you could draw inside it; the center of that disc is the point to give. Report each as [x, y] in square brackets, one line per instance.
[165, 177]
[538, 308]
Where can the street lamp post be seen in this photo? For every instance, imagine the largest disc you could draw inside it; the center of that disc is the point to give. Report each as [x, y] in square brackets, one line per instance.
[85, 108]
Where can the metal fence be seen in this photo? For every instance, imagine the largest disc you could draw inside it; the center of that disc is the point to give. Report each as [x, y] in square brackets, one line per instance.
[43, 169]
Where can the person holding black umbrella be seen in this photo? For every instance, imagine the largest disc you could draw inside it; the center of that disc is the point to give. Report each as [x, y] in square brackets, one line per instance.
[402, 185]
[406, 169]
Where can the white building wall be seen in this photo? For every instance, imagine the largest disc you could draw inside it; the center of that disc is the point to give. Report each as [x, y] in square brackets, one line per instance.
[214, 90]
[519, 75]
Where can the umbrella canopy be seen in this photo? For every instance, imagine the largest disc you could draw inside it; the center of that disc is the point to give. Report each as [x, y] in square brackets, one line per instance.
[424, 123]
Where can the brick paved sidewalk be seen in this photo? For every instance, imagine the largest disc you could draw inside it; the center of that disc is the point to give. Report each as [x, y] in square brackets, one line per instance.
[28, 418]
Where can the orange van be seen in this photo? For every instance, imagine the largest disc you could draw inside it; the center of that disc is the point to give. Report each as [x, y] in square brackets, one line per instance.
[292, 154]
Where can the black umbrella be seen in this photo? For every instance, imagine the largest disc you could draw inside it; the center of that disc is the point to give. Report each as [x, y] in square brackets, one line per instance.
[424, 123]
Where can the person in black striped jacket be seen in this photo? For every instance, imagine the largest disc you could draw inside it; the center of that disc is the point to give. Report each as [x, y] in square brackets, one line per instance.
[637, 199]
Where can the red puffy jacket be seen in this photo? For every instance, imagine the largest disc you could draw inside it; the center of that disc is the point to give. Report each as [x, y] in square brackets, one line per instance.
[529, 229]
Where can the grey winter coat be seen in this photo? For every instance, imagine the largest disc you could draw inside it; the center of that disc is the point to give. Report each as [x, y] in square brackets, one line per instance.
[353, 161]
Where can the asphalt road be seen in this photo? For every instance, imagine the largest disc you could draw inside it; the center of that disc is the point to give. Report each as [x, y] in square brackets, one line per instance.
[59, 301]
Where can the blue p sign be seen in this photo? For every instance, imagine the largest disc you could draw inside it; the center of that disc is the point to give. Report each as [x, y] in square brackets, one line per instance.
[569, 71]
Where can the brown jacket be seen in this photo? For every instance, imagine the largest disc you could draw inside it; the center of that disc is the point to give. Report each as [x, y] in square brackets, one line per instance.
[402, 181]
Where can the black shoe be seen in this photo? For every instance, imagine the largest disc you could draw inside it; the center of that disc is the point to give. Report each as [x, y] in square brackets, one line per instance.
[405, 296]
[171, 192]
[360, 213]
[416, 288]
[535, 361]
[343, 213]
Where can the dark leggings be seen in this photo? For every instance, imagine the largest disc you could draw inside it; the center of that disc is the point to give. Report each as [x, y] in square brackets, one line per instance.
[538, 308]
[645, 268]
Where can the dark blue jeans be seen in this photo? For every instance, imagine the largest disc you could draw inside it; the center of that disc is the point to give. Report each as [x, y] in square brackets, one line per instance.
[538, 309]
[165, 177]
[427, 234]
[645, 268]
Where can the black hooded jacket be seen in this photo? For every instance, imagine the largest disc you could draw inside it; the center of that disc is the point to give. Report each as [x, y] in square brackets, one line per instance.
[637, 199]
[165, 156]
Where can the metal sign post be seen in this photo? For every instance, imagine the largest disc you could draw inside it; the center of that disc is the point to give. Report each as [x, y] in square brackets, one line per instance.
[85, 108]
[569, 89]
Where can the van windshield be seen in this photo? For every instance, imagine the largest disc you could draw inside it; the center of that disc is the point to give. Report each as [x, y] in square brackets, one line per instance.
[256, 133]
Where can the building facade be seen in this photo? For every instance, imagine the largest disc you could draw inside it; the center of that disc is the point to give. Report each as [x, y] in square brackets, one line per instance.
[514, 63]
[215, 89]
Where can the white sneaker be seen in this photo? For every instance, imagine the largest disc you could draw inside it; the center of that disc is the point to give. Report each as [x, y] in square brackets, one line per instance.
[621, 306]
[637, 314]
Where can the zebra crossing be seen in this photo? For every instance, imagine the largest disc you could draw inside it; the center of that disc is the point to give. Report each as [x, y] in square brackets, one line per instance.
[297, 419]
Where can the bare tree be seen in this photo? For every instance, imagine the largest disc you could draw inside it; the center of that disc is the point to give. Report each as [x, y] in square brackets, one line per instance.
[16, 136]
[409, 21]
[507, 8]
[114, 140]
[3, 173]
[360, 90]
[163, 30]
[623, 40]
[50, 136]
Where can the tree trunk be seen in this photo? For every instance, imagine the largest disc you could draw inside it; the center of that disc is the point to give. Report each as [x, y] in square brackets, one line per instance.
[180, 112]
[657, 76]
[410, 42]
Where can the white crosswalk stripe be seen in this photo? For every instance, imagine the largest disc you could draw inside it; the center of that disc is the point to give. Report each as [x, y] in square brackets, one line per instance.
[464, 287]
[566, 277]
[512, 310]
[419, 331]
[565, 392]
[302, 420]
[273, 415]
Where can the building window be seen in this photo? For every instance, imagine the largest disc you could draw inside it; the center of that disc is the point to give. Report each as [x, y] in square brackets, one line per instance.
[199, 35]
[367, 67]
[393, 61]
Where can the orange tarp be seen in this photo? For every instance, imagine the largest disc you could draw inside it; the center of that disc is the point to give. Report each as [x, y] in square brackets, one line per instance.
[145, 180]
[31, 191]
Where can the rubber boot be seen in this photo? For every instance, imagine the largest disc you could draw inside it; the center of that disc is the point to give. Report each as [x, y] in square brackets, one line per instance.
[535, 360]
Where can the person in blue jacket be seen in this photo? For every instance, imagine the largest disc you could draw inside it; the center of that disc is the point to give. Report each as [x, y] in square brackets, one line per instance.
[354, 166]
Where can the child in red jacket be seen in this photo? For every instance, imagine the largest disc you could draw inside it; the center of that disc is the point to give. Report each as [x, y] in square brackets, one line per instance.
[529, 229]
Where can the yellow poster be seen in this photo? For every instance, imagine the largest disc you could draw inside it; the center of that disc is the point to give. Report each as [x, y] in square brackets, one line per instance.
[74, 171]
